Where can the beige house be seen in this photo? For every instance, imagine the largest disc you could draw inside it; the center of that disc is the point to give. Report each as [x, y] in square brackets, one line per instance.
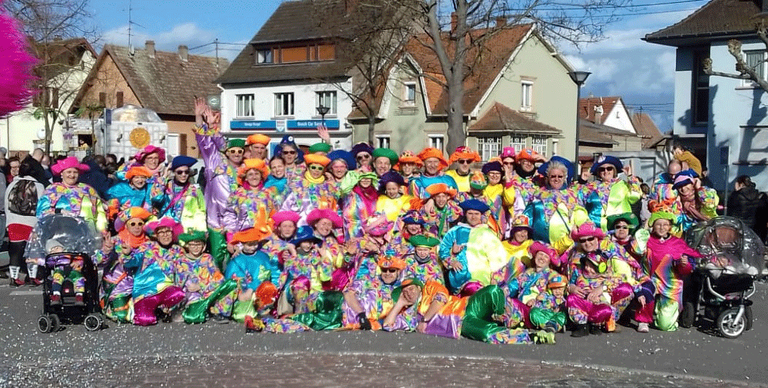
[518, 94]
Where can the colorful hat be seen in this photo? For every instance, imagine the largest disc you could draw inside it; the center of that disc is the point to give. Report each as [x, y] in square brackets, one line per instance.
[378, 226]
[539, 246]
[344, 156]
[266, 293]
[288, 140]
[257, 138]
[437, 188]
[682, 180]
[361, 147]
[606, 159]
[285, 215]
[430, 152]
[598, 260]
[390, 176]
[253, 164]
[319, 214]
[570, 168]
[305, 233]
[474, 204]
[150, 149]
[68, 162]
[629, 218]
[236, 143]
[405, 283]
[412, 217]
[557, 281]
[193, 235]
[354, 177]
[688, 172]
[386, 153]
[320, 147]
[478, 181]
[127, 214]
[257, 233]
[464, 152]
[421, 240]
[165, 222]
[137, 170]
[388, 261]
[528, 154]
[587, 229]
[662, 215]
[492, 166]
[521, 222]
[316, 159]
[507, 152]
[408, 157]
[182, 160]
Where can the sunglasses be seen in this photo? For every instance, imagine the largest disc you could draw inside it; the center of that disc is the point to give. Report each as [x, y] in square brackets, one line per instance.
[587, 239]
[136, 223]
[601, 169]
[621, 227]
[363, 156]
[316, 167]
[388, 270]
[181, 172]
[235, 152]
[289, 152]
[556, 176]
[463, 161]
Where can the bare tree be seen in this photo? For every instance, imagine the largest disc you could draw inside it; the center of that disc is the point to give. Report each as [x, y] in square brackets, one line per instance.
[744, 70]
[50, 24]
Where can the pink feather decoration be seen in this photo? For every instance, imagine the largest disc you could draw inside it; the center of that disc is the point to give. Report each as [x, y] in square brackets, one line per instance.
[16, 67]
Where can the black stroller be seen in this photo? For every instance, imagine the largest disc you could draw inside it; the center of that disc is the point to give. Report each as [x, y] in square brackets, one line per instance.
[725, 277]
[80, 242]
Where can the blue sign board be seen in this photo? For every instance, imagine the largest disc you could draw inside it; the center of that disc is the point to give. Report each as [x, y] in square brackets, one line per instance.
[311, 124]
[252, 124]
[289, 124]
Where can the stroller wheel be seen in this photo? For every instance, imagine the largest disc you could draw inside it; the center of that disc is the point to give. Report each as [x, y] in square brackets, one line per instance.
[55, 323]
[748, 317]
[93, 322]
[44, 324]
[688, 317]
[727, 324]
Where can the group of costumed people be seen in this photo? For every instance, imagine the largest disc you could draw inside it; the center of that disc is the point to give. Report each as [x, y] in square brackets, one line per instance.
[366, 239]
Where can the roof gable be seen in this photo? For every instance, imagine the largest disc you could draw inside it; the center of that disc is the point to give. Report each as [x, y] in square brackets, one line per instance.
[297, 21]
[647, 129]
[588, 107]
[715, 19]
[500, 118]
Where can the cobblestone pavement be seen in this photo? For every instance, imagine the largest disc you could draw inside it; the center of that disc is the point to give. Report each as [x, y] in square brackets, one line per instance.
[331, 370]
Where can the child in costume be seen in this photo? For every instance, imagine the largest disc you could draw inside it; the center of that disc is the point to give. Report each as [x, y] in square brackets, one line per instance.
[444, 212]
[250, 268]
[304, 274]
[365, 302]
[549, 310]
[391, 200]
[524, 290]
[518, 245]
[65, 268]
[422, 263]
[285, 229]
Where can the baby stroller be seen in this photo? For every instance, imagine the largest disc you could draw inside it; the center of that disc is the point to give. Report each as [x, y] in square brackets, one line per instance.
[80, 242]
[725, 276]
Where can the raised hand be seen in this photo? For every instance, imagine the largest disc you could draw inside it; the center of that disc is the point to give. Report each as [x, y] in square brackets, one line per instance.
[322, 131]
[200, 106]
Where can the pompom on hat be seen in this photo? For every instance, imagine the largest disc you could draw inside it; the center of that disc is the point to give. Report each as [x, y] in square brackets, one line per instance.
[150, 149]
[430, 152]
[68, 162]
[408, 157]
[464, 152]
[508, 152]
[132, 212]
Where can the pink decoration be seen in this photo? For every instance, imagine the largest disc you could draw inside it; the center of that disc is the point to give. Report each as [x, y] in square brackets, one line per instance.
[16, 66]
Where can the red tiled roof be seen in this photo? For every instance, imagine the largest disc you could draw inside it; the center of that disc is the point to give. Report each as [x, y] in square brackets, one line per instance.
[587, 107]
[500, 119]
[646, 128]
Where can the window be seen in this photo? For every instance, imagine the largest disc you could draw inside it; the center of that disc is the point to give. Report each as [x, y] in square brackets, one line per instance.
[103, 99]
[488, 147]
[119, 97]
[327, 99]
[700, 100]
[539, 144]
[410, 94]
[517, 142]
[382, 141]
[283, 104]
[244, 105]
[437, 141]
[756, 61]
[264, 56]
[527, 96]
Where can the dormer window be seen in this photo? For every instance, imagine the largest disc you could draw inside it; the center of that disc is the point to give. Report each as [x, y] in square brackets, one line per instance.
[264, 56]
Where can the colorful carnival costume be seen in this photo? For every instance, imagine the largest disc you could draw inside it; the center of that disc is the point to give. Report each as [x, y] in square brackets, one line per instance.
[425, 268]
[549, 310]
[79, 200]
[247, 203]
[517, 251]
[418, 185]
[482, 319]
[308, 193]
[359, 202]
[124, 195]
[441, 218]
[462, 153]
[392, 207]
[305, 274]
[603, 199]
[186, 203]
[373, 296]
[446, 322]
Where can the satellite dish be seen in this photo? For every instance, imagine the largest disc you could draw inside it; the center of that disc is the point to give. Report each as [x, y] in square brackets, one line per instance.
[41, 133]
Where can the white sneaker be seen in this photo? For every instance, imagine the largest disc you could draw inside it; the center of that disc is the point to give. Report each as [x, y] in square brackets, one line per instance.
[642, 327]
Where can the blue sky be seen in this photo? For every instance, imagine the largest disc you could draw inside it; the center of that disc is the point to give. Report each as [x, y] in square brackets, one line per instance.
[622, 64]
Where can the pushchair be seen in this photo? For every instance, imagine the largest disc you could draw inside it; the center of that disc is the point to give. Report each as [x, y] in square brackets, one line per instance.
[80, 241]
[725, 276]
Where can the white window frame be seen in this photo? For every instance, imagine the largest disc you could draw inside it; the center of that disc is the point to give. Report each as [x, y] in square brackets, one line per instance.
[518, 142]
[409, 94]
[489, 147]
[328, 99]
[244, 105]
[382, 141]
[284, 104]
[752, 56]
[539, 144]
[437, 141]
[526, 96]
[264, 56]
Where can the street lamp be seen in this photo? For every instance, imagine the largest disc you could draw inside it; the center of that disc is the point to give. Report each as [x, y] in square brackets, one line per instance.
[323, 110]
[579, 77]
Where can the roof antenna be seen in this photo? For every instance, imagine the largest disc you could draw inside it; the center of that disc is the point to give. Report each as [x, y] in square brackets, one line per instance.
[130, 22]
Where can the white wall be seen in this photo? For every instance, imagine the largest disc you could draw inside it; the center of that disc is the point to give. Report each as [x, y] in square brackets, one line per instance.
[619, 118]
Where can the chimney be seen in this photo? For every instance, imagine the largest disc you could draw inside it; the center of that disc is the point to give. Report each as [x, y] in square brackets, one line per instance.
[184, 53]
[150, 47]
[455, 21]
[599, 114]
[502, 21]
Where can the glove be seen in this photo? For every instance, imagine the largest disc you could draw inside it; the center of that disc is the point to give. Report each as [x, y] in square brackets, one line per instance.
[365, 324]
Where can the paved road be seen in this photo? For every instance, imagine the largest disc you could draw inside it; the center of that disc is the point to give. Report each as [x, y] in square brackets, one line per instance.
[222, 355]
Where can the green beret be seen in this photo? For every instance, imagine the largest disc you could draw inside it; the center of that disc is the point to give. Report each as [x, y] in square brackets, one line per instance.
[423, 241]
[629, 218]
[320, 147]
[386, 153]
[193, 235]
[662, 215]
[405, 283]
[236, 143]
